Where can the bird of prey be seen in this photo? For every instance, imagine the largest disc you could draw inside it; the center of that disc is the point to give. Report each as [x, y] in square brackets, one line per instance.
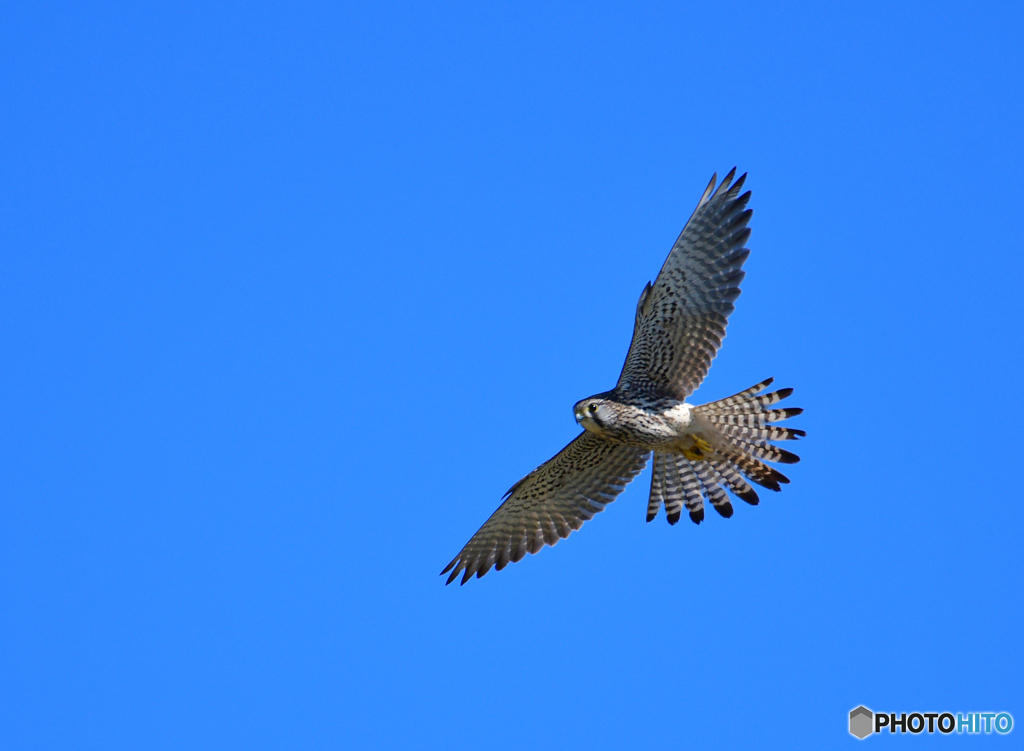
[699, 451]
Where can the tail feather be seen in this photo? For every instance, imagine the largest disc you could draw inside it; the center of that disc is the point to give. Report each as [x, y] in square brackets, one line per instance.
[665, 489]
[759, 472]
[765, 451]
[693, 499]
[750, 405]
[741, 398]
[744, 424]
[767, 433]
[732, 476]
[753, 419]
[675, 484]
[743, 429]
[712, 490]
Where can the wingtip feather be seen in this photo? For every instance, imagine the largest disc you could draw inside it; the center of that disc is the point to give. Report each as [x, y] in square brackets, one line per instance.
[708, 190]
[736, 186]
[726, 182]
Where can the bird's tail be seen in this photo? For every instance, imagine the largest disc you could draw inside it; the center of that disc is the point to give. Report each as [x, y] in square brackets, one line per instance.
[740, 443]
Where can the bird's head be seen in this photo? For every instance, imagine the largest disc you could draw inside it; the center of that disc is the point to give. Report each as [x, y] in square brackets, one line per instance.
[595, 414]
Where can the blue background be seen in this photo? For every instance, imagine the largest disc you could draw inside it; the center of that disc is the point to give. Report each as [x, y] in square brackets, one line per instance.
[290, 294]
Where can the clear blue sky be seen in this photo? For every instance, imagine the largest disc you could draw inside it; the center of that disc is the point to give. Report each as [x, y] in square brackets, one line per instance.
[290, 294]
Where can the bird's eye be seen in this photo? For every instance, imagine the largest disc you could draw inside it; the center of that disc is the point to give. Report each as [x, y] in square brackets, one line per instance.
[592, 408]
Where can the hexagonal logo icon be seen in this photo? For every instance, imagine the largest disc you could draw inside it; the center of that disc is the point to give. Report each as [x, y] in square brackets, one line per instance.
[861, 722]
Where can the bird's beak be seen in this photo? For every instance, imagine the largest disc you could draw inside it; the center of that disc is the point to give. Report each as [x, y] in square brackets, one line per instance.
[578, 416]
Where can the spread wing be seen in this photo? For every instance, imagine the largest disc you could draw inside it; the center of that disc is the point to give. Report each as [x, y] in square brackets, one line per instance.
[549, 503]
[681, 318]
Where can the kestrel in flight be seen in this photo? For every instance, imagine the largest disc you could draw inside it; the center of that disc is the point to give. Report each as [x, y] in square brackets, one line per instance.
[698, 450]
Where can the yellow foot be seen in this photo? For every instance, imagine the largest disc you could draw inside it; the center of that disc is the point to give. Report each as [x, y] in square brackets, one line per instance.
[700, 450]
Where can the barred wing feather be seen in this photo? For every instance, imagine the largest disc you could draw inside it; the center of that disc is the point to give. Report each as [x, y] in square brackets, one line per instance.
[681, 318]
[549, 503]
